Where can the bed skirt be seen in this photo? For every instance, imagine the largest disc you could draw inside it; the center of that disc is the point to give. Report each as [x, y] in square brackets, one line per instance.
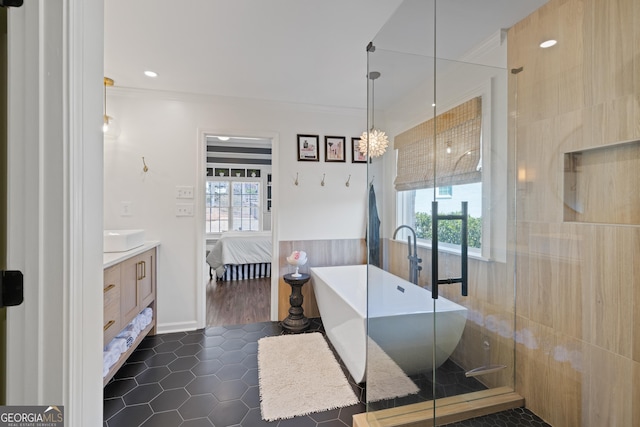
[246, 271]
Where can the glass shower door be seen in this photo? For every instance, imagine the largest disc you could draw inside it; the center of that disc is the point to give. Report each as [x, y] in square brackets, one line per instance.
[439, 335]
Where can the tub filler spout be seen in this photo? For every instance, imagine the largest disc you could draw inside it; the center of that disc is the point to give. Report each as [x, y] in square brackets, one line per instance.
[414, 261]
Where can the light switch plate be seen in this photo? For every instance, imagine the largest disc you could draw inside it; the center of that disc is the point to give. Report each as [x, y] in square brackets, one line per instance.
[184, 209]
[184, 192]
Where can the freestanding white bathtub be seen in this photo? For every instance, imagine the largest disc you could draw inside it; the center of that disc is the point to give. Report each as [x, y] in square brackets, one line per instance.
[400, 318]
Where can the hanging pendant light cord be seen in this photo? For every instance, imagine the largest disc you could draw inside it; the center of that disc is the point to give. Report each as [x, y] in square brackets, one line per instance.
[373, 104]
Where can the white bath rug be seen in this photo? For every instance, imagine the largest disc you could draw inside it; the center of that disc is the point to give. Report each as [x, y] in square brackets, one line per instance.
[385, 379]
[299, 375]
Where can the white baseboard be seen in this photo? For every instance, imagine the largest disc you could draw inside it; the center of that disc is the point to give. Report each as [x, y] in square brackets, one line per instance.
[167, 328]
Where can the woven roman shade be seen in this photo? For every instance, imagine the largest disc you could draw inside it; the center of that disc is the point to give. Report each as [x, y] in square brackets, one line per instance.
[460, 129]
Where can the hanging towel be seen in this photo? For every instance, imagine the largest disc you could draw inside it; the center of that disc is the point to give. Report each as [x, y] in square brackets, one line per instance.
[373, 231]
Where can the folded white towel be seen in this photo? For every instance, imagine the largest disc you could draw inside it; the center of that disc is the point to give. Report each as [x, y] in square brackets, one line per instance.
[109, 358]
[128, 336]
[143, 319]
[138, 324]
[117, 343]
[131, 327]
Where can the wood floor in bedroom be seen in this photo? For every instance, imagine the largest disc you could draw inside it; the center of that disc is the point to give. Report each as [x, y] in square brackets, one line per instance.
[238, 302]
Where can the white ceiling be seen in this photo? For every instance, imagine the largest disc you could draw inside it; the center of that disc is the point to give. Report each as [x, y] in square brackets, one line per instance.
[300, 51]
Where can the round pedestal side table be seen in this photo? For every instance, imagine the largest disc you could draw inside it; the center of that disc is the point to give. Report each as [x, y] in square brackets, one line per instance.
[296, 321]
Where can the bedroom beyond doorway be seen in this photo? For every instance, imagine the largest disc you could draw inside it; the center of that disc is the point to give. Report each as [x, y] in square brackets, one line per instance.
[238, 302]
[238, 228]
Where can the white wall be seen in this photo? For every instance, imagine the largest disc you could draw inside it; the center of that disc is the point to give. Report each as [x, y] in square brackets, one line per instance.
[166, 129]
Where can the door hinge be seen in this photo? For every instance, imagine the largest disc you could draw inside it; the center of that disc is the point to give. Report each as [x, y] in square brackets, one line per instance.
[11, 3]
[11, 288]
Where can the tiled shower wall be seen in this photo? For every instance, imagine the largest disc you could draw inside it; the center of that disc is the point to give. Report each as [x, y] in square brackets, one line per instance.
[578, 276]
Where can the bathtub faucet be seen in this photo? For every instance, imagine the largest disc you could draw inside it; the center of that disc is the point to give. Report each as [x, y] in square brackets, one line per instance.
[414, 268]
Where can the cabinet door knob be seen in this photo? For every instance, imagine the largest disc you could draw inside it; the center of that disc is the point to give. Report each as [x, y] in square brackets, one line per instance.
[108, 288]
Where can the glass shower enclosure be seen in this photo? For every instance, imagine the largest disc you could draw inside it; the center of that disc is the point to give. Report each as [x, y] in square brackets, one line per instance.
[543, 146]
[441, 291]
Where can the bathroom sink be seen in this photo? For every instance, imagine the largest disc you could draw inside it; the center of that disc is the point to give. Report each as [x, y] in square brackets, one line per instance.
[122, 240]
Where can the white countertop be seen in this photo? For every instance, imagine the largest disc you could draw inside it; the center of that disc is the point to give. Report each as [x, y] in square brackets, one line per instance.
[113, 258]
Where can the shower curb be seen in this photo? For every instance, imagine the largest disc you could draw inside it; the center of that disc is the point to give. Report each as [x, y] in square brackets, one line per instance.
[448, 410]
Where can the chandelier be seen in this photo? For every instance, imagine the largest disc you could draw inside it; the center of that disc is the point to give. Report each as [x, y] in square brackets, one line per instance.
[374, 141]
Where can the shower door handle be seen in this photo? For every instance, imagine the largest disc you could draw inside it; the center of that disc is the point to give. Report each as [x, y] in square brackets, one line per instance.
[463, 280]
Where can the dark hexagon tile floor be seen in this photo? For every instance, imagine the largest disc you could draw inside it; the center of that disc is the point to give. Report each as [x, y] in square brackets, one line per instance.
[209, 378]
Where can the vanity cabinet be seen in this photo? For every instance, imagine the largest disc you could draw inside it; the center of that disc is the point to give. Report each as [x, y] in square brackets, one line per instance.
[129, 287]
[112, 318]
[137, 284]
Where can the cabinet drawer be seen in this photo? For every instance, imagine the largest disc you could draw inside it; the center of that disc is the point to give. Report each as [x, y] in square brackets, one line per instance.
[111, 319]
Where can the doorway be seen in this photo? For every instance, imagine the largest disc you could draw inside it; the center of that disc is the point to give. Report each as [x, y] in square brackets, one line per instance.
[238, 228]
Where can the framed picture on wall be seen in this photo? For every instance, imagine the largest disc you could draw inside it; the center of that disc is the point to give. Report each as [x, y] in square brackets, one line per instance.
[308, 149]
[357, 156]
[334, 150]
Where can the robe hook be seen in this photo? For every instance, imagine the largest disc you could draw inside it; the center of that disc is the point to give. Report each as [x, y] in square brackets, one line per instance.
[348, 179]
[322, 182]
[144, 168]
[296, 181]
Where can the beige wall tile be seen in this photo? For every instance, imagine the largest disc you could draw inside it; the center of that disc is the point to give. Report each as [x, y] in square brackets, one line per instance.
[635, 287]
[610, 267]
[613, 120]
[549, 371]
[571, 372]
[609, 50]
[611, 389]
[635, 398]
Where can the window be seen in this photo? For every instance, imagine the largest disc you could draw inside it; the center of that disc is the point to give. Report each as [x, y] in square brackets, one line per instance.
[449, 232]
[233, 205]
[457, 150]
[445, 192]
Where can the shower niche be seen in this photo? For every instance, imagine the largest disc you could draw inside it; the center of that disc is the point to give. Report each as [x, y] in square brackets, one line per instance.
[601, 184]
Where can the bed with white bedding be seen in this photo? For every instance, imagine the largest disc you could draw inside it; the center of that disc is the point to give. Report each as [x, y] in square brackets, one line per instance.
[242, 255]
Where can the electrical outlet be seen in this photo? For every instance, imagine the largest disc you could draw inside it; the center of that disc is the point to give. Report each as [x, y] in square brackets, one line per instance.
[184, 209]
[184, 192]
[126, 209]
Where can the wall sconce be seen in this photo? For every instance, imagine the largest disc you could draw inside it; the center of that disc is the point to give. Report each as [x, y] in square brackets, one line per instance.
[110, 127]
[374, 141]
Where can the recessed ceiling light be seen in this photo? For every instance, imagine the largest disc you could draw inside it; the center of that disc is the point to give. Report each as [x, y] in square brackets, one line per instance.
[151, 74]
[548, 43]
